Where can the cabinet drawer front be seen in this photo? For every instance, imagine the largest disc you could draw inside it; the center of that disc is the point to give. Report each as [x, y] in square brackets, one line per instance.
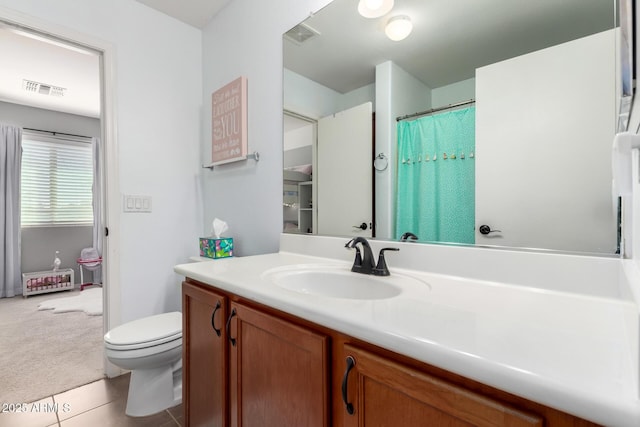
[385, 391]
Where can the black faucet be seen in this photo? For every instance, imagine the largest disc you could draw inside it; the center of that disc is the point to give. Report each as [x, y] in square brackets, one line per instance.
[408, 235]
[363, 262]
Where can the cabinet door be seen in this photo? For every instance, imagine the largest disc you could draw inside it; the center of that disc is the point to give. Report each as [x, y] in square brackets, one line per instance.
[278, 372]
[386, 393]
[204, 358]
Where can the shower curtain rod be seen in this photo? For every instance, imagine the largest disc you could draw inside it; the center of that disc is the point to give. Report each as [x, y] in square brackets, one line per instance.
[435, 110]
[57, 133]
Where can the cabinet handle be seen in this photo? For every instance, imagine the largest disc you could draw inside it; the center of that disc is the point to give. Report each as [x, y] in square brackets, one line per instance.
[213, 315]
[350, 364]
[232, 340]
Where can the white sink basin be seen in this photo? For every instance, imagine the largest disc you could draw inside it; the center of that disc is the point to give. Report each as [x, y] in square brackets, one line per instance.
[339, 282]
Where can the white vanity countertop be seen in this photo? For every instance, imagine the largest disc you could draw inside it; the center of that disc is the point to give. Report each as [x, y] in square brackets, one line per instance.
[566, 351]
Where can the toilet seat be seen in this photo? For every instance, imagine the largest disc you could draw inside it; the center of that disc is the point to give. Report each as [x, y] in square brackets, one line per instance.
[146, 332]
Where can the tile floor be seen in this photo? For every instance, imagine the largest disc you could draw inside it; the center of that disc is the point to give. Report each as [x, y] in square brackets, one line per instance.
[98, 404]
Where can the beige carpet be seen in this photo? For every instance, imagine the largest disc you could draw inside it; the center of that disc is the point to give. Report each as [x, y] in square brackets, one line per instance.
[42, 353]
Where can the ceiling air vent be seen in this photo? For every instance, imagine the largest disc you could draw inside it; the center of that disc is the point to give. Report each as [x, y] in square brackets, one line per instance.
[42, 88]
[301, 33]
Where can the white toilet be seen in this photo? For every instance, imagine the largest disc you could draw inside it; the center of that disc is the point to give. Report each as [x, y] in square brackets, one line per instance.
[151, 348]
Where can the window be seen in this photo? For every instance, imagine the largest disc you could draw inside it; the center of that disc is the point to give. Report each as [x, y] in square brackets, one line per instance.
[56, 181]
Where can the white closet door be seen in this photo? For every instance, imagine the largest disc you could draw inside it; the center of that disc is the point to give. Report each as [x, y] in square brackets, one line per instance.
[343, 172]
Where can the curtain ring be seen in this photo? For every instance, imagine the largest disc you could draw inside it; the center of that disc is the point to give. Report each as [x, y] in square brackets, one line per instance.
[380, 166]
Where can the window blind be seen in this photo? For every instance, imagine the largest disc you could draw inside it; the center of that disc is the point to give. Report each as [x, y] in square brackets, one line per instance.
[56, 181]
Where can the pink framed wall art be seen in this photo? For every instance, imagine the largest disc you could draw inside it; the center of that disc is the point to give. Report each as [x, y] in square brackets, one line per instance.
[229, 122]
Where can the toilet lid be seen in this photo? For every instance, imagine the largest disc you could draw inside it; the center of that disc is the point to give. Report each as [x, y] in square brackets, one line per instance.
[154, 330]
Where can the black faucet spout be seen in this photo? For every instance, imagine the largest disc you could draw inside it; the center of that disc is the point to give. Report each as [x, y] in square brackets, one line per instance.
[408, 235]
[365, 263]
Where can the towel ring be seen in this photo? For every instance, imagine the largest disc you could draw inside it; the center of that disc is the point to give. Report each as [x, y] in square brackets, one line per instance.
[377, 165]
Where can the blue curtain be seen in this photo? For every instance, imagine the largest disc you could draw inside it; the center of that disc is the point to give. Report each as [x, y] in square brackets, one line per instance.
[436, 177]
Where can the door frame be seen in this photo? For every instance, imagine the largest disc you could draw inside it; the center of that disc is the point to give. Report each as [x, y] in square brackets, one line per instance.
[111, 262]
[314, 159]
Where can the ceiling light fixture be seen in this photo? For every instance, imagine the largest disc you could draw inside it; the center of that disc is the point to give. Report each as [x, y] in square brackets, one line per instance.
[398, 27]
[374, 8]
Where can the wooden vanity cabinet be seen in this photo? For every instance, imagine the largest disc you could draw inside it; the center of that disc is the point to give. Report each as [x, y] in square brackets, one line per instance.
[204, 357]
[271, 369]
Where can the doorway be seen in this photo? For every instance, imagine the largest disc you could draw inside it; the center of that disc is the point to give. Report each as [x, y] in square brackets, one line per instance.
[299, 160]
[106, 116]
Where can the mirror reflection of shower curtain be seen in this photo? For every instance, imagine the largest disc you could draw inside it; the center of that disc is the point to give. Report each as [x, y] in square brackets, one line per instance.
[436, 177]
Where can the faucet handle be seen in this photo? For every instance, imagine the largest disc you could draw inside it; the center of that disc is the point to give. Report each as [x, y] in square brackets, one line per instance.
[358, 259]
[381, 269]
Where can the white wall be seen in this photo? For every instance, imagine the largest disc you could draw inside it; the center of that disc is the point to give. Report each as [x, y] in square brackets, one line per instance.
[245, 39]
[299, 144]
[357, 97]
[308, 98]
[158, 103]
[311, 99]
[39, 245]
[299, 138]
[54, 121]
[451, 94]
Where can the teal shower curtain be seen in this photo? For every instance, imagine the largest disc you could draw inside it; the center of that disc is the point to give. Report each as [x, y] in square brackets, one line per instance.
[436, 177]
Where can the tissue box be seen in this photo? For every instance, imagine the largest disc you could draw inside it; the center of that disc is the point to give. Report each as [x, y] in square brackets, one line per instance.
[211, 247]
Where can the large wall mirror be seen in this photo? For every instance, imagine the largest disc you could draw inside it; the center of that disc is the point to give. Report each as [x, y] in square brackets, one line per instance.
[490, 124]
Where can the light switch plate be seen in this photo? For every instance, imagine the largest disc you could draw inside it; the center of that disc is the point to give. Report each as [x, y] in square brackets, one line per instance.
[135, 203]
